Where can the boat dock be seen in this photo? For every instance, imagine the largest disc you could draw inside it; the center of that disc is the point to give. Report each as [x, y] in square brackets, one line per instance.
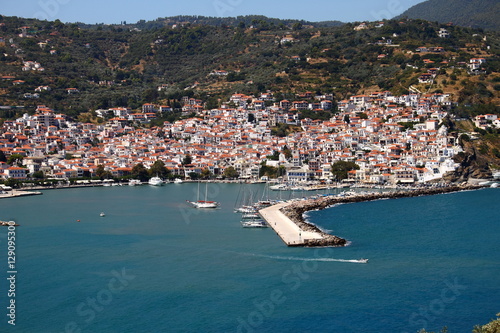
[17, 193]
[287, 230]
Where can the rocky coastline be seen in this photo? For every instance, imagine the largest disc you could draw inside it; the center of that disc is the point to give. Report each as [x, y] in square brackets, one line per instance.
[295, 211]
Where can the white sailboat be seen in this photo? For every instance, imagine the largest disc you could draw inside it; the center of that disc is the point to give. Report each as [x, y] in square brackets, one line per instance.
[204, 203]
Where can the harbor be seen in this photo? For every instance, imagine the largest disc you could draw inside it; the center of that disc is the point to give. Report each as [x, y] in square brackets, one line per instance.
[287, 219]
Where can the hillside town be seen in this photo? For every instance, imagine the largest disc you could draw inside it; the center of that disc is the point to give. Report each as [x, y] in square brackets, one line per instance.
[393, 140]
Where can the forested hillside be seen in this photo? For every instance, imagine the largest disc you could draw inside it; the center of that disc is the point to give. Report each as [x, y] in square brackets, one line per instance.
[468, 13]
[113, 66]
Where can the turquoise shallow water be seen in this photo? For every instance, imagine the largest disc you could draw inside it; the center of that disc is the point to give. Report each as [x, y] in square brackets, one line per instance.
[154, 264]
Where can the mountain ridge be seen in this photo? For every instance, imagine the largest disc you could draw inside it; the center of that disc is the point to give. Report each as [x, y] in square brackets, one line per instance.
[482, 14]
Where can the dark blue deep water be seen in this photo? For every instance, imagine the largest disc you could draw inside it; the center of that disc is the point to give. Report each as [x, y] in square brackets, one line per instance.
[154, 264]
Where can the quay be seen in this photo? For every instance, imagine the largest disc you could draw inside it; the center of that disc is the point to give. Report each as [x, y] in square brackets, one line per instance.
[17, 193]
[287, 230]
[287, 218]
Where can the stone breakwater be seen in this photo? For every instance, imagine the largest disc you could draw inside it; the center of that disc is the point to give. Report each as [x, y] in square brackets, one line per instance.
[295, 211]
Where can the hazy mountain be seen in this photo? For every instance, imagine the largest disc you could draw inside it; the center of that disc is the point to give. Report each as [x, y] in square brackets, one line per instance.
[468, 13]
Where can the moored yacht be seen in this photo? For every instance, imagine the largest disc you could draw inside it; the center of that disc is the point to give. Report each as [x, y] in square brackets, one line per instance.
[134, 182]
[155, 181]
[203, 203]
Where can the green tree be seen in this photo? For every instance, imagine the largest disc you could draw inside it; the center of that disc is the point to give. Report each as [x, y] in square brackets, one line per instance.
[275, 156]
[140, 172]
[491, 327]
[205, 174]
[341, 168]
[231, 173]
[287, 152]
[187, 160]
[158, 169]
[3, 158]
[11, 182]
[16, 159]
[102, 173]
[194, 175]
[38, 175]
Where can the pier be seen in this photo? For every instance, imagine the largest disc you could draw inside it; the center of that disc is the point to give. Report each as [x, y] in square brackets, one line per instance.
[287, 230]
[16, 193]
[287, 218]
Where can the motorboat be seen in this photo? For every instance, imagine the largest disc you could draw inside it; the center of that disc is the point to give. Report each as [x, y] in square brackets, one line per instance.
[102, 214]
[134, 182]
[178, 181]
[155, 181]
[254, 224]
[245, 209]
[278, 187]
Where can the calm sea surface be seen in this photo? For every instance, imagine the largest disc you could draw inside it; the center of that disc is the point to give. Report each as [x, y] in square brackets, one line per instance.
[153, 264]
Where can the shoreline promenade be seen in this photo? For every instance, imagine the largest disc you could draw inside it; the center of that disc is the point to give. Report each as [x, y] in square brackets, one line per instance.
[17, 193]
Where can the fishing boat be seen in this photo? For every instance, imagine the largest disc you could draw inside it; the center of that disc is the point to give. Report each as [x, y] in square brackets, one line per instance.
[203, 203]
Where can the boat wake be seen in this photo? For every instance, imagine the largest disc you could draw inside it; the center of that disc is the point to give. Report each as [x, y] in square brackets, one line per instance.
[356, 261]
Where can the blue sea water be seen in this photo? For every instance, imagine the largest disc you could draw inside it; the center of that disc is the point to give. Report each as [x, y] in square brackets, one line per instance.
[153, 264]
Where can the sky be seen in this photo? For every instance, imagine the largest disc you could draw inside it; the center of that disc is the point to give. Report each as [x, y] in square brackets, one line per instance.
[114, 12]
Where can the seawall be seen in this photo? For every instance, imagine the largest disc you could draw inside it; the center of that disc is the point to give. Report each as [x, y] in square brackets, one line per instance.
[309, 235]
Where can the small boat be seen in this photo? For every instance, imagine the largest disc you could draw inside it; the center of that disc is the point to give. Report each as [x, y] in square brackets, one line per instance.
[250, 216]
[245, 209]
[107, 182]
[178, 181]
[134, 182]
[155, 181]
[278, 187]
[254, 224]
